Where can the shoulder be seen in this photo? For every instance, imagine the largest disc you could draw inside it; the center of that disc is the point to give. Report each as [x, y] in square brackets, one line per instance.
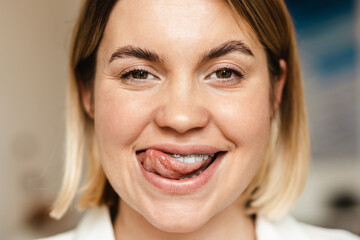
[289, 228]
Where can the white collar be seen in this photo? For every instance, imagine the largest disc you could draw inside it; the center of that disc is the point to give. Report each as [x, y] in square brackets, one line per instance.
[286, 228]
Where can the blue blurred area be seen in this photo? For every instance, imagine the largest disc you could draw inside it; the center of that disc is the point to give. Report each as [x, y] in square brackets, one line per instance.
[313, 13]
[328, 28]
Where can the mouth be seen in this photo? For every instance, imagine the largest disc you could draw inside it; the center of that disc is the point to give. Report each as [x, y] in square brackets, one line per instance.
[205, 159]
[176, 166]
[178, 171]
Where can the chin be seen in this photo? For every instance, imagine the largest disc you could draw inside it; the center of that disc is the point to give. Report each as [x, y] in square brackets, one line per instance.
[177, 220]
[177, 225]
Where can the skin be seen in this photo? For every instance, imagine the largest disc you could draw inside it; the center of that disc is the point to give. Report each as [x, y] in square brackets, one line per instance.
[182, 102]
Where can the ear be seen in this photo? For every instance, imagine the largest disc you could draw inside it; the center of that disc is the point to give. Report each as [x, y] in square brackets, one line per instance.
[279, 87]
[87, 99]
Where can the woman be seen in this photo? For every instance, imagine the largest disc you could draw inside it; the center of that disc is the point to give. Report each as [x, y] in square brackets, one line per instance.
[192, 117]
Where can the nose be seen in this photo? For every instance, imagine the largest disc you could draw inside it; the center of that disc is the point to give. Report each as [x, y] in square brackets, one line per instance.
[183, 108]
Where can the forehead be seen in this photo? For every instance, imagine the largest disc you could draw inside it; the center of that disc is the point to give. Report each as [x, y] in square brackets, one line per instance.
[170, 26]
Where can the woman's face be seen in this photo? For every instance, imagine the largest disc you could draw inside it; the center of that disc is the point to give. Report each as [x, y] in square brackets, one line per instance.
[180, 77]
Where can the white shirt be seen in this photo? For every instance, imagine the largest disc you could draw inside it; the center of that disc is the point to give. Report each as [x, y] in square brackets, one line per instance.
[96, 225]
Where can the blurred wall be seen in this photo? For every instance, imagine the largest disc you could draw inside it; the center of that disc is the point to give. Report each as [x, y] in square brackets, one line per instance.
[327, 33]
[34, 43]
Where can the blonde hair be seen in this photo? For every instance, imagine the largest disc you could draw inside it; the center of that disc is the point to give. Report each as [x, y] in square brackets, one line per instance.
[282, 175]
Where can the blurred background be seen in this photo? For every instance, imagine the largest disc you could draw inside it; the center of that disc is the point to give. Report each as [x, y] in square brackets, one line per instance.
[329, 36]
[34, 42]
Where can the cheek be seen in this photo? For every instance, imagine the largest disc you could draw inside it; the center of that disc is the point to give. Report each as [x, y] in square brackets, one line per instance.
[245, 118]
[119, 118]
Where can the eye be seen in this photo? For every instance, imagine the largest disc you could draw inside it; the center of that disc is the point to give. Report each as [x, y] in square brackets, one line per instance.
[224, 73]
[137, 74]
[225, 77]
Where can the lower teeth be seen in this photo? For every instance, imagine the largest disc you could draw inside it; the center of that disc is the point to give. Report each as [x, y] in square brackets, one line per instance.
[198, 173]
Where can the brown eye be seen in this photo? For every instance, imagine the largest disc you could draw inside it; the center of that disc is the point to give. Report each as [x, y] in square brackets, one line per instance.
[139, 75]
[224, 73]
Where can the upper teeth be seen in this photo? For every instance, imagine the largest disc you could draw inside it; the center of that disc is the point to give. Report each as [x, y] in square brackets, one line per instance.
[191, 158]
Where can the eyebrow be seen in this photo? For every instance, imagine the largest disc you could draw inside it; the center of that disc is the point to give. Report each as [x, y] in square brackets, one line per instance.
[136, 52]
[223, 49]
[226, 48]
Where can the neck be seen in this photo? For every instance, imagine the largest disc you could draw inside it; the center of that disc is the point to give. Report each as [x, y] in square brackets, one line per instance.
[230, 223]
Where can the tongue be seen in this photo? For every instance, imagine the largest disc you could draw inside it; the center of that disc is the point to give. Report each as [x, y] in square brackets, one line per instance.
[166, 166]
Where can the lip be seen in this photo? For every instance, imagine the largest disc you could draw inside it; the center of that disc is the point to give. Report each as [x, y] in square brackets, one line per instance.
[189, 185]
[185, 149]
